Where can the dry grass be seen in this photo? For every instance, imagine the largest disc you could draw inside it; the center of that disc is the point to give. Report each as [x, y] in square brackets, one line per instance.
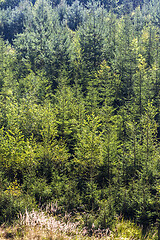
[42, 226]
[36, 233]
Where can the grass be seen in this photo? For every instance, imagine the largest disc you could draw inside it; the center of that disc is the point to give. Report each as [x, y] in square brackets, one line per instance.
[37, 225]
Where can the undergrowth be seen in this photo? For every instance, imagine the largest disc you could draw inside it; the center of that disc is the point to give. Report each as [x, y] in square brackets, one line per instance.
[39, 225]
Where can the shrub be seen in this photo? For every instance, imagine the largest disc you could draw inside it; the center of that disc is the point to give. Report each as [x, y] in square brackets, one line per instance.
[12, 202]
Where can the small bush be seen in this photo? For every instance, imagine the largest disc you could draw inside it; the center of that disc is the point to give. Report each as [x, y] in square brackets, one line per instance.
[12, 202]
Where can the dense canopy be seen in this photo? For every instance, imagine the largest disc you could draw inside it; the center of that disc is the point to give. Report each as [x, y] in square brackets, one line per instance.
[80, 108]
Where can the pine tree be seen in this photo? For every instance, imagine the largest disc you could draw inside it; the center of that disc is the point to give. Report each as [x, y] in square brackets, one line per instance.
[75, 15]
[110, 37]
[155, 11]
[88, 151]
[148, 171]
[144, 82]
[91, 44]
[2, 51]
[125, 59]
[107, 85]
[58, 52]
[32, 42]
[108, 173]
[68, 113]
[149, 131]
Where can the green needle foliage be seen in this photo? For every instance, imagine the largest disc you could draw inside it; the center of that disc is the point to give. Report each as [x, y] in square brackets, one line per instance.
[80, 111]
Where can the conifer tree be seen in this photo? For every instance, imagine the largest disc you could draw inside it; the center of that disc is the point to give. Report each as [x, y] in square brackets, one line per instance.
[155, 11]
[138, 22]
[108, 173]
[32, 42]
[110, 37]
[88, 151]
[68, 113]
[58, 52]
[75, 15]
[149, 131]
[107, 85]
[148, 171]
[91, 44]
[144, 83]
[2, 49]
[125, 58]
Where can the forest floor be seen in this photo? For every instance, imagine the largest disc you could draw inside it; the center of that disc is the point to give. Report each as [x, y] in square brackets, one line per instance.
[36, 233]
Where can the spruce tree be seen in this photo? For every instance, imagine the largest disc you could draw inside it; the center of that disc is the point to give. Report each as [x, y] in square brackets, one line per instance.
[88, 150]
[31, 44]
[125, 59]
[91, 44]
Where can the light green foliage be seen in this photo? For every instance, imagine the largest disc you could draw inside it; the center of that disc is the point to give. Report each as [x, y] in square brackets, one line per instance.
[124, 61]
[110, 32]
[7, 64]
[127, 230]
[89, 147]
[17, 155]
[149, 130]
[69, 110]
[108, 85]
[79, 112]
[110, 145]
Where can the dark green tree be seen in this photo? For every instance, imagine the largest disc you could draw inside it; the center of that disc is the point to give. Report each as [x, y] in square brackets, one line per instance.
[32, 43]
[91, 43]
[125, 59]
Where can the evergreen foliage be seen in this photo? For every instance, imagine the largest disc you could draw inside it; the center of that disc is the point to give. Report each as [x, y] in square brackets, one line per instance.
[80, 109]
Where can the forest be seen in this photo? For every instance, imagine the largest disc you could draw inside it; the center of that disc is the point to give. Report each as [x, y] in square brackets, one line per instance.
[80, 110]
